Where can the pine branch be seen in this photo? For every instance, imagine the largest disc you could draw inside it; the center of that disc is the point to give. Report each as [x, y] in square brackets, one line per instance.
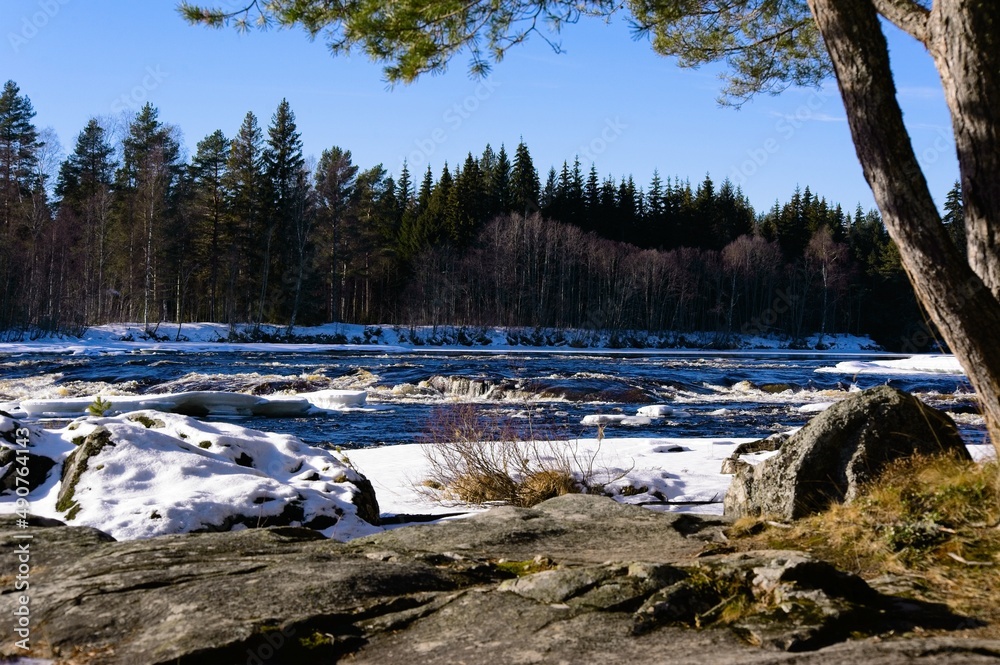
[908, 15]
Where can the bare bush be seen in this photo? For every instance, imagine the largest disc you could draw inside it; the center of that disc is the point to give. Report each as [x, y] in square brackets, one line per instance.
[477, 458]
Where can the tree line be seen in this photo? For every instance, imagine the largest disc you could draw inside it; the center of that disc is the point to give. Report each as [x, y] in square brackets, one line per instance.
[251, 231]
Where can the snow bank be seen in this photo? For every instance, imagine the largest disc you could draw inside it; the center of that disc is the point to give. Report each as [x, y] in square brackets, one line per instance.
[215, 337]
[152, 473]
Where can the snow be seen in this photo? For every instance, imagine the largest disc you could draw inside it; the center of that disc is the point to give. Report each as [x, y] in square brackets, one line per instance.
[201, 402]
[815, 408]
[678, 469]
[914, 366]
[603, 419]
[181, 475]
[655, 411]
[336, 399]
[168, 473]
[214, 337]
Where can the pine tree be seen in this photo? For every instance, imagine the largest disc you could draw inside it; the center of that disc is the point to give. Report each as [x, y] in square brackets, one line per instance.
[283, 163]
[245, 189]
[144, 182]
[19, 146]
[336, 175]
[84, 187]
[208, 174]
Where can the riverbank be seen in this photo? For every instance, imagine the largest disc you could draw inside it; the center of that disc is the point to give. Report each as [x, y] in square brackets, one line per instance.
[216, 337]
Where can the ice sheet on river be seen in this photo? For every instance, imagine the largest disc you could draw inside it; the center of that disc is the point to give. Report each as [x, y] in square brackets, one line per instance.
[917, 365]
[203, 403]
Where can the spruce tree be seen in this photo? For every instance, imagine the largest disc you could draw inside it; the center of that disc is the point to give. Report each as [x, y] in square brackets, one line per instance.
[501, 193]
[954, 218]
[524, 183]
[470, 202]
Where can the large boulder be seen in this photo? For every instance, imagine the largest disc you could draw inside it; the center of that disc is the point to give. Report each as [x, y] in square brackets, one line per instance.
[829, 459]
[149, 473]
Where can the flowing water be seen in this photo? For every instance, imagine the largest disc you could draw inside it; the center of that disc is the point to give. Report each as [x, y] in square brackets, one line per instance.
[712, 394]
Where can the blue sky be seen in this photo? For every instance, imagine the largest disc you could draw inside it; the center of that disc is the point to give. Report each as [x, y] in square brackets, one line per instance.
[608, 99]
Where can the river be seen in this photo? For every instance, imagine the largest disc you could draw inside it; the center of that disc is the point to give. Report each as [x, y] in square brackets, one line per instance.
[739, 394]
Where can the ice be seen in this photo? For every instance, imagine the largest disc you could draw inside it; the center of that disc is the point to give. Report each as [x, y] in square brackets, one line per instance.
[200, 403]
[815, 408]
[336, 399]
[915, 365]
[602, 419]
[655, 411]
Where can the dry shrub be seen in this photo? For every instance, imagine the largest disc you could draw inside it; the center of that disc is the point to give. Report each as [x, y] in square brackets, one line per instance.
[546, 484]
[481, 459]
[483, 487]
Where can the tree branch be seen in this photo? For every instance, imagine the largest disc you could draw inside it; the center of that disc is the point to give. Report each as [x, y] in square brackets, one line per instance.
[907, 15]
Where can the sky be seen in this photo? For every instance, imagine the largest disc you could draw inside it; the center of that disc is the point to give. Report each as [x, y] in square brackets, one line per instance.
[606, 99]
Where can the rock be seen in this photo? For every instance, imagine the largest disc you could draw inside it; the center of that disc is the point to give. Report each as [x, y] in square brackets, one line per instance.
[38, 466]
[848, 444]
[732, 463]
[770, 444]
[163, 472]
[618, 583]
[365, 500]
[76, 465]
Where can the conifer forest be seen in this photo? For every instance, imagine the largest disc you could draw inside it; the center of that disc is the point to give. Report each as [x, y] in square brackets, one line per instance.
[248, 230]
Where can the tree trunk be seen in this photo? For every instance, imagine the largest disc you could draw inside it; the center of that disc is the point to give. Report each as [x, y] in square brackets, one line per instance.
[962, 37]
[960, 303]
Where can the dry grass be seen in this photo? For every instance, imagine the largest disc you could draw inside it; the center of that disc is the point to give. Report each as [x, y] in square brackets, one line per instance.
[478, 459]
[933, 521]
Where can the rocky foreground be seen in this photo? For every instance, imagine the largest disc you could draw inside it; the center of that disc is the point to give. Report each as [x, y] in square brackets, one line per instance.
[576, 579]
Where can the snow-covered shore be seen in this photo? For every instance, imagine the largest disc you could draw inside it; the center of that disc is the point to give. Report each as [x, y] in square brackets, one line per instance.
[215, 337]
[158, 473]
[166, 470]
